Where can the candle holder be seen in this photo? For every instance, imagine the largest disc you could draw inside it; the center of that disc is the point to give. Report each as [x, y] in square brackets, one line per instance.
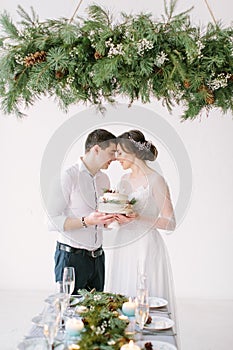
[74, 327]
[128, 308]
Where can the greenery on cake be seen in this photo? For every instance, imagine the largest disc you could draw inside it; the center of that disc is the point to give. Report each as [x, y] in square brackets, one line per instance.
[116, 201]
[107, 190]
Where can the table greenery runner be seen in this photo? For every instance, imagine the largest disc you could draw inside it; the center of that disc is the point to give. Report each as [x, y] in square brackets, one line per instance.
[95, 59]
[104, 330]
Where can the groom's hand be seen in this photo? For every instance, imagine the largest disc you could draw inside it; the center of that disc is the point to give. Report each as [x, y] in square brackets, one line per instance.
[97, 218]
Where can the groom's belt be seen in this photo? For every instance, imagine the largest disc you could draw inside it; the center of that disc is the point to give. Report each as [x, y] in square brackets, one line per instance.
[92, 253]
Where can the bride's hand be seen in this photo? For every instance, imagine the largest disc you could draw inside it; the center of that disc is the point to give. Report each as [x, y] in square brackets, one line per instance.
[124, 219]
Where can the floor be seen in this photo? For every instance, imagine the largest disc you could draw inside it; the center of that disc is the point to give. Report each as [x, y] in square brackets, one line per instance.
[204, 324]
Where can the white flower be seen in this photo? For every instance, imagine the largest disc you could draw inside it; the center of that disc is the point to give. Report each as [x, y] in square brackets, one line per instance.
[161, 58]
[231, 41]
[108, 42]
[144, 45]
[19, 59]
[27, 33]
[220, 81]
[97, 297]
[100, 330]
[92, 37]
[115, 50]
[92, 33]
[200, 46]
[70, 80]
[73, 52]
[111, 342]
[104, 324]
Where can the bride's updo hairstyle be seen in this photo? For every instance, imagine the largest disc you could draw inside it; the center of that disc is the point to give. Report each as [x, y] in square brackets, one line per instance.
[134, 142]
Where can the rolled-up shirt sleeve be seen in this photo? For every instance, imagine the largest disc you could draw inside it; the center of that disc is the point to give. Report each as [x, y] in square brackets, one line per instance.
[59, 194]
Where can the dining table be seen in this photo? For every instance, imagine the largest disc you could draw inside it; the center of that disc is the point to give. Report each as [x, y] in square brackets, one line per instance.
[158, 334]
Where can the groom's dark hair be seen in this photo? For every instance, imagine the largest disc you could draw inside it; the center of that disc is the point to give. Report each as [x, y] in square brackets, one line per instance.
[100, 137]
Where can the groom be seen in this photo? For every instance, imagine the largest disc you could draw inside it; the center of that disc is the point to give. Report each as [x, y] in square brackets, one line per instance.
[73, 215]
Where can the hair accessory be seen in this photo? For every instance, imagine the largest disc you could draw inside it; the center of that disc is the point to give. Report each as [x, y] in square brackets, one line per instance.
[142, 146]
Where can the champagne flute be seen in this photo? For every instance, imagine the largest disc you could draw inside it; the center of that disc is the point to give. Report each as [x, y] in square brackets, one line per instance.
[141, 275]
[62, 303]
[50, 325]
[142, 309]
[68, 281]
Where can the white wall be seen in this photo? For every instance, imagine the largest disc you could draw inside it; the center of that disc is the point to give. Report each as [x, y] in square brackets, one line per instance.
[200, 249]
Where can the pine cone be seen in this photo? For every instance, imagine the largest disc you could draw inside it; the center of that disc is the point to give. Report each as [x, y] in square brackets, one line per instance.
[97, 55]
[210, 99]
[209, 96]
[187, 84]
[148, 346]
[33, 58]
[158, 70]
[59, 74]
[16, 77]
[149, 320]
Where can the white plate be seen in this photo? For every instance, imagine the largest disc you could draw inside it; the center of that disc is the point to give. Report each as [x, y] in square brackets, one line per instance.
[76, 299]
[159, 323]
[33, 344]
[157, 345]
[51, 298]
[155, 302]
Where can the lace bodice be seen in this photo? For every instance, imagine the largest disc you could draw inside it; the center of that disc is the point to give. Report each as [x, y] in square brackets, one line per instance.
[146, 202]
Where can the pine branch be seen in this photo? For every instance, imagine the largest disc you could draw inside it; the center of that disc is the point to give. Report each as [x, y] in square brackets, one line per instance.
[57, 58]
[169, 10]
[8, 27]
[69, 33]
[28, 20]
[98, 14]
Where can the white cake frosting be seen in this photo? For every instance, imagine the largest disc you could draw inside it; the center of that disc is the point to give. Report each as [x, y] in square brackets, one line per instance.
[114, 202]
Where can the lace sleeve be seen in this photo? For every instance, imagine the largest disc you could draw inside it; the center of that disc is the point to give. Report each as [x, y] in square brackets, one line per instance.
[166, 219]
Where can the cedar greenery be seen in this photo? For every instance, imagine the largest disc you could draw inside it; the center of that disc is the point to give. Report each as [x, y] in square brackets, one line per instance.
[94, 60]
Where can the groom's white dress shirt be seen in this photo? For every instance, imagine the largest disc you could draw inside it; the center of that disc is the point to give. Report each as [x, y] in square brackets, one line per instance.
[75, 195]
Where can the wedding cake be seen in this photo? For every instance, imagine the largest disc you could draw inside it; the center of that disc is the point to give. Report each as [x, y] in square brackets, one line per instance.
[115, 202]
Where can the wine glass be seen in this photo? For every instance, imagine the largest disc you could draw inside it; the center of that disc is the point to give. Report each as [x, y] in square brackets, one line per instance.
[141, 275]
[68, 282]
[62, 304]
[50, 326]
[142, 308]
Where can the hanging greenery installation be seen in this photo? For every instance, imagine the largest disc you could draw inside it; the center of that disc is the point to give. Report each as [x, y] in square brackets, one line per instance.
[94, 60]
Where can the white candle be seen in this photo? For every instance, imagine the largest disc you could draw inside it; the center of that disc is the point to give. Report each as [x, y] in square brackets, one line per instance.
[73, 347]
[130, 346]
[128, 308]
[80, 309]
[123, 317]
[74, 326]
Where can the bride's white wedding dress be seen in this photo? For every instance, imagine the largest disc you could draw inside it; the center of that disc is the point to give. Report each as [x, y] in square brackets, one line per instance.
[140, 242]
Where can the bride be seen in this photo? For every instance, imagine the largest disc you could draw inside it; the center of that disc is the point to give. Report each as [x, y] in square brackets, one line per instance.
[138, 239]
